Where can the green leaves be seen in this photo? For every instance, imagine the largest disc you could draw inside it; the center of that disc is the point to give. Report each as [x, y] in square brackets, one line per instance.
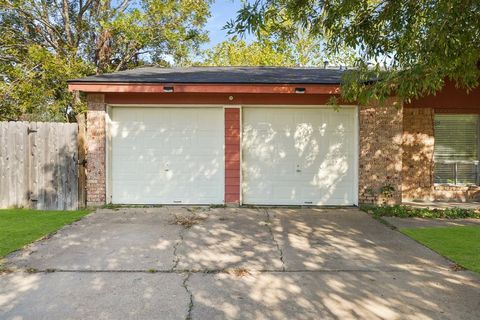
[46, 42]
[411, 47]
[272, 48]
[239, 53]
[35, 89]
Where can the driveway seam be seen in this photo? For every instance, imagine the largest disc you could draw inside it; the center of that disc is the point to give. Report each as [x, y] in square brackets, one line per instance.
[269, 227]
[223, 271]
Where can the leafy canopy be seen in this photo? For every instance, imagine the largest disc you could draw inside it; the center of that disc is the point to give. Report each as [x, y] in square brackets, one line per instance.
[411, 46]
[271, 47]
[46, 42]
[235, 52]
[269, 50]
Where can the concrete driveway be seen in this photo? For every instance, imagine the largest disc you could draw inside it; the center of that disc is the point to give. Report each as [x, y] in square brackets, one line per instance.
[217, 263]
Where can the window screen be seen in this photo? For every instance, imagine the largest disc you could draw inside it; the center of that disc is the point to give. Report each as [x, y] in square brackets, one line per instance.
[456, 149]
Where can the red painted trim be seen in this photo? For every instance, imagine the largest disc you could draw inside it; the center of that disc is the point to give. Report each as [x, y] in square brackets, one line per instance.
[233, 173]
[233, 190]
[231, 139]
[449, 98]
[232, 181]
[217, 98]
[232, 125]
[231, 198]
[232, 155]
[232, 165]
[232, 116]
[203, 88]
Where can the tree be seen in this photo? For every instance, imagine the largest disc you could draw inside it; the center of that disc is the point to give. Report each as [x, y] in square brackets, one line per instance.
[36, 87]
[235, 52]
[407, 48]
[46, 42]
[269, 50]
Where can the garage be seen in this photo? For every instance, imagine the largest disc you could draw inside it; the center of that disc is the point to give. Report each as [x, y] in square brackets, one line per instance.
[299, 156]
[166, 155]
[232, 136]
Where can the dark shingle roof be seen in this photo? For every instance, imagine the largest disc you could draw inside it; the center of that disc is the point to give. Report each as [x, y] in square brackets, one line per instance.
[226, 75]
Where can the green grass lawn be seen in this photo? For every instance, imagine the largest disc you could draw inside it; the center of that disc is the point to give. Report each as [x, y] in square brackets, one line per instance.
[459, 244]
[19, 227]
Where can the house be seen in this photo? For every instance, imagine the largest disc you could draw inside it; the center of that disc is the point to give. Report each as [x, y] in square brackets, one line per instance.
[267, 136]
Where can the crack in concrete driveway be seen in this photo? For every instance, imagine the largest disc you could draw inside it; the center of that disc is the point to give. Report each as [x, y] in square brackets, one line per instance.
[280, 251]
[233, 263]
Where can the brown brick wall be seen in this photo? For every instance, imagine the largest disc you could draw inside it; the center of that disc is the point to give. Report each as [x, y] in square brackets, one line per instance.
[418, 144]
[456, 193]
[96, 188]
[380, 156]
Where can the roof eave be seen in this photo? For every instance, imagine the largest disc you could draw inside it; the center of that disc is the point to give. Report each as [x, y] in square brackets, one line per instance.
[121, 87]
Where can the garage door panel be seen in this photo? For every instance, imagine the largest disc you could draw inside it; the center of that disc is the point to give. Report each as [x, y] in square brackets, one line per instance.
[299, 156]
[167, 155]
[259, 194]
[332, 191]
[126, 115]
[194, 163]
[284, 192]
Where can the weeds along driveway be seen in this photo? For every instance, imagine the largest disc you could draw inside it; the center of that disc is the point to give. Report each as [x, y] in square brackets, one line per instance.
[233, 263]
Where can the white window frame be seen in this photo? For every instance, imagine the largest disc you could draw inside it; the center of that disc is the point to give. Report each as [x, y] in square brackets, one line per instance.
[456, 162]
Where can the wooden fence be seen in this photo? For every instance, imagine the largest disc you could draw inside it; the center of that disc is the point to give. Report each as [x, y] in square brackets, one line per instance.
[39, 165]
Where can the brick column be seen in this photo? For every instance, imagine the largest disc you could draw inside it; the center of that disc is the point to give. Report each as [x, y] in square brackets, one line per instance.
[380, 162]
[96, 188]
[232, 156]
[418, 144]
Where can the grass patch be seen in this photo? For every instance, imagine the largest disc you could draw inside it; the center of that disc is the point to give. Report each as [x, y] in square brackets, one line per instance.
[409, 212]
[459, 244]
[19, 227]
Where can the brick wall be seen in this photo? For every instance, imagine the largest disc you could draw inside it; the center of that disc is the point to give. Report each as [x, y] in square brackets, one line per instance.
[232, 155]
[380, 156]
[456, 193]
[96, 150]
[418, 145]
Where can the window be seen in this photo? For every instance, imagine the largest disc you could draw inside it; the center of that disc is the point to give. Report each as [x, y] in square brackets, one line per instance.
[456, 152]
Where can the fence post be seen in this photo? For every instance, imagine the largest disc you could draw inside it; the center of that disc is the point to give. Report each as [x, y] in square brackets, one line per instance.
[82, 177]
[33, 165]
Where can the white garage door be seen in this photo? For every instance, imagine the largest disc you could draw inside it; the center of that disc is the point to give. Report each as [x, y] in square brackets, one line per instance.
[167, 155]
[299, 156]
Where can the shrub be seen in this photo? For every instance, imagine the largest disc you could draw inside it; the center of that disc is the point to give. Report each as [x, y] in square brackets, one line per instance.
[403, 211]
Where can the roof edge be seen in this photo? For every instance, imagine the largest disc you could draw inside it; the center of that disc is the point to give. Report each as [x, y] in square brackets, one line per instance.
[122, 87]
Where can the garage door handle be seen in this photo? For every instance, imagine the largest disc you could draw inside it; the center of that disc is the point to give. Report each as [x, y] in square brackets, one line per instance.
[298, 170]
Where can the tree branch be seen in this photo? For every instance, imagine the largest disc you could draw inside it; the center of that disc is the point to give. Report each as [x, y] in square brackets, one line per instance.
[66, 22]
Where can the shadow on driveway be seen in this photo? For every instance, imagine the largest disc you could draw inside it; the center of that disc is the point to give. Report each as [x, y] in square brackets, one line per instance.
[233, 263]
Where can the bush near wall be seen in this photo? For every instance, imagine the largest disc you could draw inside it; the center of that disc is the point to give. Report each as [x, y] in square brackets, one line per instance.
[403, 211]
